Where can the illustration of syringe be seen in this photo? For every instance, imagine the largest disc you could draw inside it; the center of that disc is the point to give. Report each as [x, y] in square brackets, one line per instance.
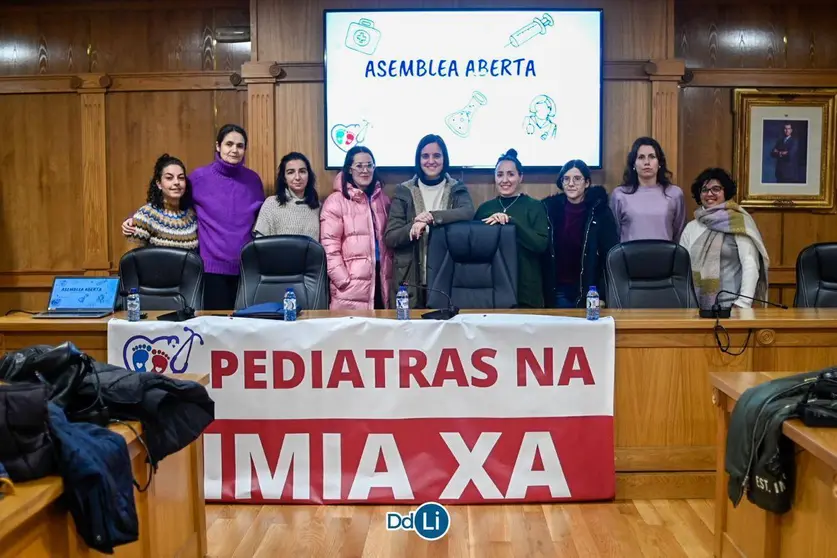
[525, 33]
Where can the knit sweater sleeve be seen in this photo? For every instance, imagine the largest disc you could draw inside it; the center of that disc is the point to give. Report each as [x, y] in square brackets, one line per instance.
[267, 220]
[143, 225]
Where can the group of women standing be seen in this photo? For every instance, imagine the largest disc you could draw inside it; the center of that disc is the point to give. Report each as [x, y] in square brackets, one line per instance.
[376, 240]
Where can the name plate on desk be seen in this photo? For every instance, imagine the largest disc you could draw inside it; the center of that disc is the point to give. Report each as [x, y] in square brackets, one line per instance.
[481, 408]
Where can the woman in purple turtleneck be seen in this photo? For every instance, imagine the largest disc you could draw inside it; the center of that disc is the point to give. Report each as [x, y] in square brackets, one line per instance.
[647, 206]
[227, 198]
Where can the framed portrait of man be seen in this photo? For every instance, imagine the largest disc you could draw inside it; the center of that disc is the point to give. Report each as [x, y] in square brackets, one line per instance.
[784, 147]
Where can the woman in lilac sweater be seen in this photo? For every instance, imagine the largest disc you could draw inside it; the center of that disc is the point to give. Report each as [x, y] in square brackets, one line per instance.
[647, 206]
[227, 197]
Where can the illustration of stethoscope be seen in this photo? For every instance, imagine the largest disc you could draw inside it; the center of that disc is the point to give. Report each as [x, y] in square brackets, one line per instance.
[187, 343]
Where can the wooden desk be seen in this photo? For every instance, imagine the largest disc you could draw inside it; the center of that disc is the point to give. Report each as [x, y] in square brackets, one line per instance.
[172, 516]
[664, 419]
[808, 528]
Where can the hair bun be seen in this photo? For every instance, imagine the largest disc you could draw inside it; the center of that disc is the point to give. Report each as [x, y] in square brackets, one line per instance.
[511, 153]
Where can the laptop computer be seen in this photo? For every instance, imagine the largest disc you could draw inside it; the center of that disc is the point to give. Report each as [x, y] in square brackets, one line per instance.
[82, 297]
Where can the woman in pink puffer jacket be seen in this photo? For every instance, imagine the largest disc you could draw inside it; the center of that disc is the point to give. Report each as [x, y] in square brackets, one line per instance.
[352, 223]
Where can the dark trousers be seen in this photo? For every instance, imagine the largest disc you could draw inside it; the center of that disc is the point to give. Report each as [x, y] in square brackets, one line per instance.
[219, 291]
[379, 292]
[566, 296]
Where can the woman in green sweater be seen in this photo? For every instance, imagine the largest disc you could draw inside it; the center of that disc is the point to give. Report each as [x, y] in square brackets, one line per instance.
[529, 218]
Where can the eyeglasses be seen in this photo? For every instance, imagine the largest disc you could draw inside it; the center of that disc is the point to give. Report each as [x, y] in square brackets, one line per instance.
[577, 179]
[713, 189]
[360, 167]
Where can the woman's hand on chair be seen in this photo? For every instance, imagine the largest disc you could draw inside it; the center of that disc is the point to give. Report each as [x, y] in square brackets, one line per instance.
[424, 217]
[497, 219]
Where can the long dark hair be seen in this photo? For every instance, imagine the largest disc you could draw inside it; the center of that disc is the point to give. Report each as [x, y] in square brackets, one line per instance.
[311, 199]
[228, 129]
[424, 142]
[631, 179]
[155, 194]
[346, 174]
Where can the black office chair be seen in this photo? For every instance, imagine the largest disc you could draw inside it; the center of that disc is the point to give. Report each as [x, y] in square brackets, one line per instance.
[816, 276]
[272, 264]
[649, 274]
[474, 263]
[159, 274]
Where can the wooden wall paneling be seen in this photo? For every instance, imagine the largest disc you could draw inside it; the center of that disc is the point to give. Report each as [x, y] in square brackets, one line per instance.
[755, 34]
[41, 211]
[43, 42]
[119, 37]
[260, 78]
[627, 109]
[94, 187]
[665, 98]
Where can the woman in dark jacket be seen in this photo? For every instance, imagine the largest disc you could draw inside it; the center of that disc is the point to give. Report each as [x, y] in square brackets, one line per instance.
[583, 230]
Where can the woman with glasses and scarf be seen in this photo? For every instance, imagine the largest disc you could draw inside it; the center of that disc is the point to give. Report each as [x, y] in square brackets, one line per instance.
[724, 244]
[583, 231]
[431, 198]
[352, 223]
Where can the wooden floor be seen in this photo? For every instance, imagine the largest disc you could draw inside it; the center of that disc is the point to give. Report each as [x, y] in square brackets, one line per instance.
[664, 528]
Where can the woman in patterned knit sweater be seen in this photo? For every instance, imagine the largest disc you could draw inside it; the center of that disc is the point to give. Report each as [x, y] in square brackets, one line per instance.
[295, 209]
[168, 218]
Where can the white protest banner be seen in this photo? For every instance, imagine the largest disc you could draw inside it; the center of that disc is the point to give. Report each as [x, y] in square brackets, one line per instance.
[481, 408]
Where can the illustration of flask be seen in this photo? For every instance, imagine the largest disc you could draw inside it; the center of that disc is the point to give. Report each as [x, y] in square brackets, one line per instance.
[537, 27]
[459, 122]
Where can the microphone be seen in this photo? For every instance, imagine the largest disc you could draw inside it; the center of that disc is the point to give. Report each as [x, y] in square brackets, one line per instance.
[719, 312]
[185, 313]
[443, 314]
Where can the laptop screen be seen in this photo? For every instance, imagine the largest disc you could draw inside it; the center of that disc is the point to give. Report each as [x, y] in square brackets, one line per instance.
[84, 293]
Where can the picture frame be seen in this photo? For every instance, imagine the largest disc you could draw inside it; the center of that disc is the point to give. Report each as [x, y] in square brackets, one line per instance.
[784, 147]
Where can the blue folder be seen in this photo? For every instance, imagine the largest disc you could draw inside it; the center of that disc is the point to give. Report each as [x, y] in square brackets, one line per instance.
[265, 311]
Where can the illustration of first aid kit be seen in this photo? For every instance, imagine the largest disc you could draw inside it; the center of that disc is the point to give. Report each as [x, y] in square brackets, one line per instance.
[362, 36]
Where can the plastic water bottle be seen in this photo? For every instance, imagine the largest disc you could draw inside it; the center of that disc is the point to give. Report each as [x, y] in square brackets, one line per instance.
[593, 303]
[402, 304]
[290, 305]
[133, 306]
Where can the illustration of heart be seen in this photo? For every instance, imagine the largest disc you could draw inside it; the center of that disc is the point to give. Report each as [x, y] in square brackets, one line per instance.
[142, 354]
[345, 136]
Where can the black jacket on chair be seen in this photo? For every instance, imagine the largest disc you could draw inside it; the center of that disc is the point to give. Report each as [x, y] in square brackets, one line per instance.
[159, 273]
[600, 235]
[816, 276]
[474, 263]
[650, 274]
[272, 264]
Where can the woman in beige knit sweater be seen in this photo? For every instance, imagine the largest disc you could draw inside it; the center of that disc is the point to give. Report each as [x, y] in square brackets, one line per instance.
[295, 209]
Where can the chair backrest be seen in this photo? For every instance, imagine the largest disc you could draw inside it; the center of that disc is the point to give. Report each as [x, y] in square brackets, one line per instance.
[159, 273]
[474, 263]
[649, 274]
[272, 264]
[816, 276]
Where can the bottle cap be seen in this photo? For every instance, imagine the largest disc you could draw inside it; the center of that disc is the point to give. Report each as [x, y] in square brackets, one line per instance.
[134, 290]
